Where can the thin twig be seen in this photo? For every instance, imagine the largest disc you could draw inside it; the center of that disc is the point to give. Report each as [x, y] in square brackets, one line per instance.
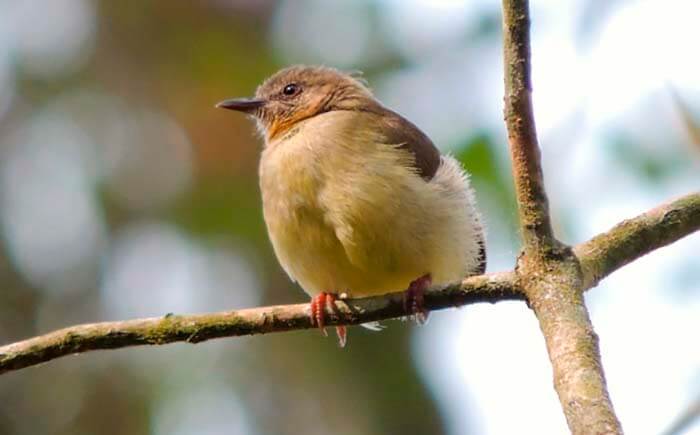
[201, 327]
[598, 257]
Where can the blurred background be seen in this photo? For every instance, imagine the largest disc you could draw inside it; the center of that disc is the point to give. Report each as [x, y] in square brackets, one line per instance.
[124, 193]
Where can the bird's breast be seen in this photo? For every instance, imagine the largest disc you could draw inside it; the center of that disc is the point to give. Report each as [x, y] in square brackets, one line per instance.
[295, 168]
[304, 242]
[289, 180]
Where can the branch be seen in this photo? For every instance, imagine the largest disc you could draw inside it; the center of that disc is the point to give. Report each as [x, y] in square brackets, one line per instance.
[633, 238]
[201, 327]
[598, 258]
[548, 269]
[573, 349]
[533, 206]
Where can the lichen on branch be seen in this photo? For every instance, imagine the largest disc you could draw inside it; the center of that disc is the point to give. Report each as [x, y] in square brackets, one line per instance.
[201, 327]
[633, 238]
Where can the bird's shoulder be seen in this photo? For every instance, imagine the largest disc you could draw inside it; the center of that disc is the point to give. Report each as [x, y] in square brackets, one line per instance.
[398, 131]
[354, 130]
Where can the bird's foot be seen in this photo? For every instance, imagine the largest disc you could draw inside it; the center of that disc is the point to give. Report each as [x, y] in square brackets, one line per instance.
[342, 333]
[318, 315]
[413, 298]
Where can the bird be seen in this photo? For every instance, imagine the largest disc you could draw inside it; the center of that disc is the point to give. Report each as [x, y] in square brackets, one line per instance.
[357, 200]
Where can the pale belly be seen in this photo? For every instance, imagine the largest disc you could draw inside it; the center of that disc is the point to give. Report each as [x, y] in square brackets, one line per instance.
[311, 253]
[365, 249]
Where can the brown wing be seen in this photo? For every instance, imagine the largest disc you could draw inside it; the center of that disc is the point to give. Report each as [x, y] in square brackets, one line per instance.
[399, 130]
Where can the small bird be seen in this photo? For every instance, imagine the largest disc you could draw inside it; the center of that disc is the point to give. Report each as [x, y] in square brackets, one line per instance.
[357, 200]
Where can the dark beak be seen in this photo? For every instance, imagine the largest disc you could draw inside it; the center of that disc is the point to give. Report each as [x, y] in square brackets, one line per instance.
[247, 105]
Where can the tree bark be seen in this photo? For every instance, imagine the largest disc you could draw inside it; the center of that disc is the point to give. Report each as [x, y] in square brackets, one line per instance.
[549, 272]
[196, 328]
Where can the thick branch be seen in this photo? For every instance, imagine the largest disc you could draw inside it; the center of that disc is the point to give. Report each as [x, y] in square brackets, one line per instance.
[533, 206]
[201, 327]
[549, 271]
[572, 344]
[633, 238]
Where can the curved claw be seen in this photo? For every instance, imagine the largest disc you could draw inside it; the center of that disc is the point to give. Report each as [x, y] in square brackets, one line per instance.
[342, 333]
[414, 298]
[318, 311]
[319, 303]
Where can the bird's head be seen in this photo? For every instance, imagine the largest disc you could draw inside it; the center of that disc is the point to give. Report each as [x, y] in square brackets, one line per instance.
[300, 92]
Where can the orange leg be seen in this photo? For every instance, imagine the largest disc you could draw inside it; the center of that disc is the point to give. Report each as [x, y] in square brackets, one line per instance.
[413, 298]
[319, 303]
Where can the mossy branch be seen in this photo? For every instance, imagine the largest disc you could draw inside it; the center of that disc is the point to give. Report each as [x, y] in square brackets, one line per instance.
[484, 288]
[633, 238]
[201, 327]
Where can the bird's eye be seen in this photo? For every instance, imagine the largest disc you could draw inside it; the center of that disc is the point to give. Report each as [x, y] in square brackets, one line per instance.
[291, 89]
